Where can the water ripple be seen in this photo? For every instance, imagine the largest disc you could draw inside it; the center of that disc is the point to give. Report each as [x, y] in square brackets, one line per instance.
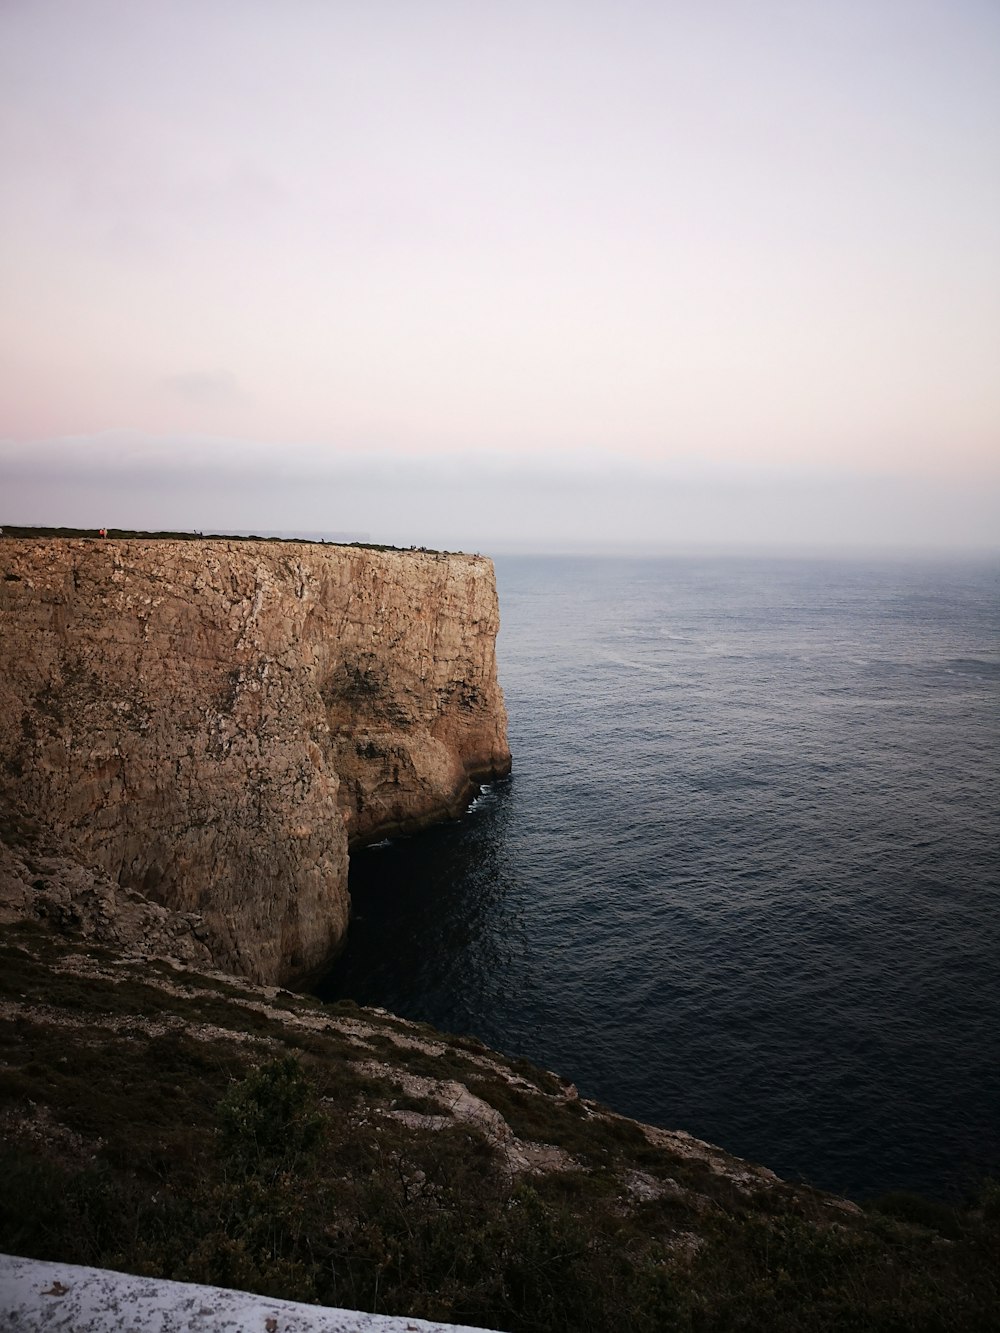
[744, 877]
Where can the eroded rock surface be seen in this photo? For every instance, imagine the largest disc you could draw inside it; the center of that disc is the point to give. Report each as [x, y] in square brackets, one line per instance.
[42, 881]
[212, 723]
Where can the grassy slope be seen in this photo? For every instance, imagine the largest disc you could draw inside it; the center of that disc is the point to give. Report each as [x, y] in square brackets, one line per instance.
[197, 1128]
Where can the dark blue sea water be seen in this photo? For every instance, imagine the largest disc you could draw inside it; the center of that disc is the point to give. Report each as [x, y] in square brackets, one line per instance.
[744, 879]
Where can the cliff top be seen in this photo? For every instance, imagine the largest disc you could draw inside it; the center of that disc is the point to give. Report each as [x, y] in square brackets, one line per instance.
[136, 534]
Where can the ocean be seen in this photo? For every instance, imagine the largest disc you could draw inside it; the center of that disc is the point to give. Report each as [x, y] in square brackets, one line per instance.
[744, 878]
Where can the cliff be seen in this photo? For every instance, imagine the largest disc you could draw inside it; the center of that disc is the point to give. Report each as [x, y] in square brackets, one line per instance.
[212, 724]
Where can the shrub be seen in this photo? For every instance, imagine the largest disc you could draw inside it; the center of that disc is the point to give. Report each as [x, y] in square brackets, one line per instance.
[918, 1211]
[271, 1118]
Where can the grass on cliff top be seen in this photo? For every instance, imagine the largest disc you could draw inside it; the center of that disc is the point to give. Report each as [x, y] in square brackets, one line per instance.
[122, 534]
[186, 1137]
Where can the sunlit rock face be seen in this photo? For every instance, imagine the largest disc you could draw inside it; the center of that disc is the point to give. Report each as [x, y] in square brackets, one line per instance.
[213, 723]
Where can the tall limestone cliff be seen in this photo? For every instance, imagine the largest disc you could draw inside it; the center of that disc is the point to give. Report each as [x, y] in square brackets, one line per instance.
[213, 723]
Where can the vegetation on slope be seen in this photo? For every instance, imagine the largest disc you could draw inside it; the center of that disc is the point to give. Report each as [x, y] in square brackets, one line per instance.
[193, 1127]
[123, 534]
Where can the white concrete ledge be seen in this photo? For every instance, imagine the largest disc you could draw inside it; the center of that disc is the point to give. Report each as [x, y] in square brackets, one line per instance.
[36, 1295]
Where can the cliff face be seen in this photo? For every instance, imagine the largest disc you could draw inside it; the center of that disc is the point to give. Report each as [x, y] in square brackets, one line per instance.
[212, 723]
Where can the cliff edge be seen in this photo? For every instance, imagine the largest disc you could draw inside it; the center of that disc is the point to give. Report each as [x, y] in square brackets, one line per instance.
[212, 724]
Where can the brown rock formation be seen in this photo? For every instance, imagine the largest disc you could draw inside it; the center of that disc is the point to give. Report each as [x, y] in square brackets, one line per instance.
[42, 881]
[212, 722]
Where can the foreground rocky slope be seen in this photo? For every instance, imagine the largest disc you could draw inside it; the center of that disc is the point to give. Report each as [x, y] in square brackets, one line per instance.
[212, 723]
[172, 1121]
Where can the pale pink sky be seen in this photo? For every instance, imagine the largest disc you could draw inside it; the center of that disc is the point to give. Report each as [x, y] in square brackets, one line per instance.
[752, 242]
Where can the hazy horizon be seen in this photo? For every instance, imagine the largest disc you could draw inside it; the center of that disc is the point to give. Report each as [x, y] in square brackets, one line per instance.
[569, 276]
[496, 505]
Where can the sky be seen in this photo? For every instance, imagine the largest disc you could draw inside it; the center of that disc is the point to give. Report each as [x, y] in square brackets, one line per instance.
[542, 275]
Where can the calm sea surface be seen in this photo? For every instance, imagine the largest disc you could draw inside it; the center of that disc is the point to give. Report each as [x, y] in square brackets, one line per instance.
[744, 879]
